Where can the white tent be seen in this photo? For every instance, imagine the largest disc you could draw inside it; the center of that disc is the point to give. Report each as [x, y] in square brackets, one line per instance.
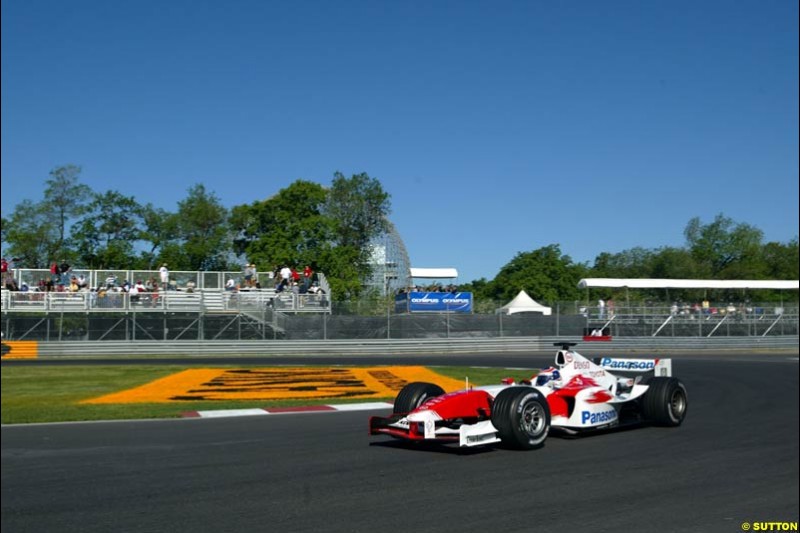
[522, 303]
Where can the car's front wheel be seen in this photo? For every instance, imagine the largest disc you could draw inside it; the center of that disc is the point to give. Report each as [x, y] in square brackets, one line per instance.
[415, 394]
[522, 417]
[665, 402]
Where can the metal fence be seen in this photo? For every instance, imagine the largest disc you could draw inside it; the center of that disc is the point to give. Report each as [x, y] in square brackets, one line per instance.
[195, 306]
[35, 278]
[264, 315]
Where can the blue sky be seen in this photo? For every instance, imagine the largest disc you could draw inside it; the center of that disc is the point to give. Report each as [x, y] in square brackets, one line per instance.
[497, 127]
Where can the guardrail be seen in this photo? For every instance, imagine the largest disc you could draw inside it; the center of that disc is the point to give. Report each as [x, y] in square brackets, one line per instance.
[138, 349]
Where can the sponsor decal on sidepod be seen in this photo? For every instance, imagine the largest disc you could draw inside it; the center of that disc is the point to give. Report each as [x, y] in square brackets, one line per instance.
[628, 364]
[596, 418]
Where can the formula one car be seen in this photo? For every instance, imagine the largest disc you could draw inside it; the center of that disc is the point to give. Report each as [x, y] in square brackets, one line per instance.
[575, 396]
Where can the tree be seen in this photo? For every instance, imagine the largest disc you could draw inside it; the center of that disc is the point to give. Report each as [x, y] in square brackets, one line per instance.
[159, 233]
[31, 235]
[782, 260]
[358, 207]
[107, 235]
[287, 229]
[545, 274]
[65, 198]
[632, 263]
[203, 233]
[724, 249]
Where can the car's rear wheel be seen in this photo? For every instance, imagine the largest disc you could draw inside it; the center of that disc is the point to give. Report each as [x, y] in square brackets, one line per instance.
[665, 402]
[522, 417]
[415, 394]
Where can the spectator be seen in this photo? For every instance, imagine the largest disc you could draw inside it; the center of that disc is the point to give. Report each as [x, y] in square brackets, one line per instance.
[154, 294]
[5, 272]
[163, 272]
[601, 309]
[248, 275]
[307, 274]
[64, 269]
[140, 287]
[285, 278]
[134, 292]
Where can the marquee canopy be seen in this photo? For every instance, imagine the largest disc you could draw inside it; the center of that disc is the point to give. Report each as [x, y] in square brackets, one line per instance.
[522, 303]
[434, 273]
[633, 283]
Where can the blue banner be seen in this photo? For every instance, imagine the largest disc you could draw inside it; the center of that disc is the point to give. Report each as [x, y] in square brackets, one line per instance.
[434, 302]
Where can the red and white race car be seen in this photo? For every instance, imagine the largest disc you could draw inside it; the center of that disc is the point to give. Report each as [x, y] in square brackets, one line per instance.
[576, 395]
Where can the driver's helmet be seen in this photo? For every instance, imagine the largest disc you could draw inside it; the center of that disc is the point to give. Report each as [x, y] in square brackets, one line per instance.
[544, 378]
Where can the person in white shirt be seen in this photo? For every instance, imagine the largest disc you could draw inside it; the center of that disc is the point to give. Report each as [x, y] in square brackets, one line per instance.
[164, 273]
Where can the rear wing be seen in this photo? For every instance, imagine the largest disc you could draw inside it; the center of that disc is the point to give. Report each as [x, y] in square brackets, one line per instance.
[660, 367]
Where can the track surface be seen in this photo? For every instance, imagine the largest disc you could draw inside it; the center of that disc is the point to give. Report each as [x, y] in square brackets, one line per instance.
[734, 460]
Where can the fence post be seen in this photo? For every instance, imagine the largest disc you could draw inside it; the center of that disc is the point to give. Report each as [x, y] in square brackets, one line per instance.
[558, 319]
[500, 321]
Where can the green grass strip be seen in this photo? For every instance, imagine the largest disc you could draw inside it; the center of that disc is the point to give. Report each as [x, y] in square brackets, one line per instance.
[35, 394]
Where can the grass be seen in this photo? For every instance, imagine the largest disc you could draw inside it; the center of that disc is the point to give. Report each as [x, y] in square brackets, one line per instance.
[35, 394]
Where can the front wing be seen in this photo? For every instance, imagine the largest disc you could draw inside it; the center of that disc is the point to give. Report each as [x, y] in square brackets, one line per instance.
[398, 426]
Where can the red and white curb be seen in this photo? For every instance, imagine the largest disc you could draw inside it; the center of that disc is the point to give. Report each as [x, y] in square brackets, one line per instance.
[287, 410]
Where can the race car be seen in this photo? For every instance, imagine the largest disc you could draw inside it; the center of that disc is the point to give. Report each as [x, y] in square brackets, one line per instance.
[577, 395]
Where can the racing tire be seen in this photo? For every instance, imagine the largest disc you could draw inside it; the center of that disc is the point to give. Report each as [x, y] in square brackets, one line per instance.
[665, 402]
[415, 394]
[521, 416]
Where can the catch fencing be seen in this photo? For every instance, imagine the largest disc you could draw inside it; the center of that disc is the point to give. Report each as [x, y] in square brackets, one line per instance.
[257, 316]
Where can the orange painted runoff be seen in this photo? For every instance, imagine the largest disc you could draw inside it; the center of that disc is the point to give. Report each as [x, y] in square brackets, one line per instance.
[20, 349]
[279, 384]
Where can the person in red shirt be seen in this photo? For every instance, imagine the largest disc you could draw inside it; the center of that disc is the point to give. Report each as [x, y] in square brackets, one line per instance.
[307, 274]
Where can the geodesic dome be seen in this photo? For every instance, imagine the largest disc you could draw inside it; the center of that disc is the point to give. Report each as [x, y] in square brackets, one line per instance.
[391, 268]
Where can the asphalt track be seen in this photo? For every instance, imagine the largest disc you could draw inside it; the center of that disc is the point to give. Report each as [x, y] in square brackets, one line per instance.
[734, 460]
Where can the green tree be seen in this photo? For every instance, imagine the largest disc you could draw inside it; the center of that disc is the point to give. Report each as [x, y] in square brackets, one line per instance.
[107, 235]
[287, 229]
[545, 274]
[65, 198]
[31, 235]
[724, 249]
[203, 233]
[632, 263]
[671, 263]
[159, 233]
[782, 260]
[358, 207]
